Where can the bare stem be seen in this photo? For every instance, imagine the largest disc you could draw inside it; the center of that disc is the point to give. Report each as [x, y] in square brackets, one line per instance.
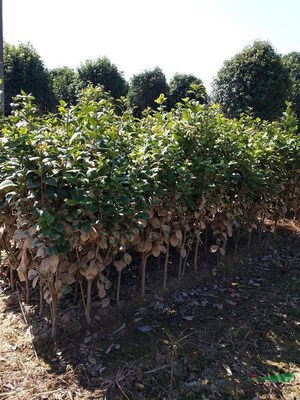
[41, 298]
[53, 308]
[87, 310]
[166, 265]
[196, 255]
[181, 258]
[249, 239]
[119, 287]
[144, 258]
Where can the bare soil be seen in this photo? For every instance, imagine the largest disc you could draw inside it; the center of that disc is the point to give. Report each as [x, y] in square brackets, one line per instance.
[207, 337]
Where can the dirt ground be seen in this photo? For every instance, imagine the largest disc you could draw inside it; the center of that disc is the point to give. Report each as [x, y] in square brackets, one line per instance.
[207, 337]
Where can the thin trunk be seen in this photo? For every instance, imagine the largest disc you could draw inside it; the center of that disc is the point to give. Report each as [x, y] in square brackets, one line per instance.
[76, 292]
[27, 287]
[196, 255]
[238, 236]
[206, 241]
[53, 309]
[181, 258]
[249, 239]
[180, 267]
[275, 226]
[87, 310]
[11, 260]
[82, 294]
[262, 222]
[144, 258]
[119, 287]
[41, 298]
[166, 265]
[11, 277]
[185, 262]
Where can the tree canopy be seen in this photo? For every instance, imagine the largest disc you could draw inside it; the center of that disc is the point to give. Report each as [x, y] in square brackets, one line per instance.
[292, 64]
[180, 87]
[146, 87]
[254, 78]
[64, 84]
[25, 71]
[103, 72]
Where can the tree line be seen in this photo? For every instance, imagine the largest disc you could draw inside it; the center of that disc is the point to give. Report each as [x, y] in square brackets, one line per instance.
[257, 78]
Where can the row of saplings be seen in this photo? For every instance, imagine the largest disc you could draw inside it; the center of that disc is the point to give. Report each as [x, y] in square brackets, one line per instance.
[87, 265]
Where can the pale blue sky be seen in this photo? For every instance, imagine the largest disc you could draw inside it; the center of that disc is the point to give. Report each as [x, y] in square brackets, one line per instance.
[191, 36]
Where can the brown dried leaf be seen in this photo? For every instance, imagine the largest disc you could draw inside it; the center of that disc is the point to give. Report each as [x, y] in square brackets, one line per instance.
[120, 264]
[222, 251]
[214, 248]
[73, 268]
[107, 261]
[151, 213]
[32, 274]
[90, 255]
[67, 278]
[41, 252]
[103, 278]
[21, 274]
[101, 289]
[162, 249]
[127, 258]
[84, 237]
[94, 233]
[156, 251]
[174, 241]
[103, 243]
[105, 302]
[145, 246]
[183, 252]
[178, 234]
[58, 284]
[137, 239]
[35, 281]
[155, 222]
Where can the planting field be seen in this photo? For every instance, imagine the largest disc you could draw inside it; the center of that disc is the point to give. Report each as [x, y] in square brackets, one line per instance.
[148, 258]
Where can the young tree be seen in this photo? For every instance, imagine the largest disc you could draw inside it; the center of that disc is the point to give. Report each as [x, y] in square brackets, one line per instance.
[146, 87]
[292, 63]
[64, 84]
[180, 87]
[24, 70]
[103, 72]
[254, 78]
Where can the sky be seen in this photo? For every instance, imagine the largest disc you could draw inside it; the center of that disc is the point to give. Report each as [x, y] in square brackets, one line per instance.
[179, 36]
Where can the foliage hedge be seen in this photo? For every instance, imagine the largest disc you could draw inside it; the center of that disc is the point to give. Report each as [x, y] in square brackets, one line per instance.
[84, 189]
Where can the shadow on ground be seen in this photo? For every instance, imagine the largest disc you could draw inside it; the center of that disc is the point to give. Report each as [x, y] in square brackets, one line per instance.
[205, 338]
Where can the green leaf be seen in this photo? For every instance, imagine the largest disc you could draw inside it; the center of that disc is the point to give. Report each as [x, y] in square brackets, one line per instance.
[143, 215]
[51, 250]
[7, 184]
[75, 136]
[9, 196]
[66, 289]
[51, 182]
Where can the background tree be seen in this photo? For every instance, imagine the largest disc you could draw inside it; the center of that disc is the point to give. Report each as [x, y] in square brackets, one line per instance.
[254, 78]
[24, 70]
[64, 84]
[180, 86]
[292, 63]
[146, 87]
[103, 72]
